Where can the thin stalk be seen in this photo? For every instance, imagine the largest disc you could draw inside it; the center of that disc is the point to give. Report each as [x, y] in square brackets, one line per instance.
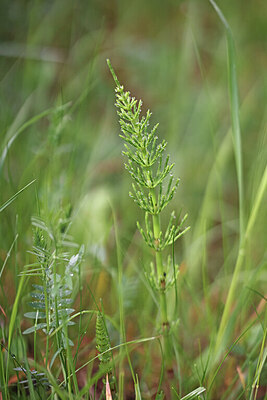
[34, 343]
[234, 103]
[62, 355]
[71, 366]
[16, 253]
[12, 198]
[161, 275]
[70, 371]
[3, 381]
[13, 317]
[47, 318]
[175, 313]
[260, 365]
[80, 319]
[121, 309]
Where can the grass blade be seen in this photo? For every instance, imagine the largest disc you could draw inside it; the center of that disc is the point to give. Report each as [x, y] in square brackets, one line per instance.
[13, 317]
[9, 201]
[194, 394]
[233, 92]
[19, 131]
[8, 254]
[137, 389]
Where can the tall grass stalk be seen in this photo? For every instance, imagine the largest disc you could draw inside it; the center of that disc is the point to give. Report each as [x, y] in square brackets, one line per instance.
[121, 312]
[234, 102]
[233, 92]
[12, 321]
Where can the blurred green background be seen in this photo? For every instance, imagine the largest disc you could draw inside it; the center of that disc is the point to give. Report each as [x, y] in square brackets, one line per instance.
[172, 54]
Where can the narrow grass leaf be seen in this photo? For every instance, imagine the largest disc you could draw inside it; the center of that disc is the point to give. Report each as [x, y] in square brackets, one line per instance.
[8, 254]
[9, 201]
[233, 91]
[2, 377]
[137, 389]
[15, 311]
[194, 394]
[55, 356]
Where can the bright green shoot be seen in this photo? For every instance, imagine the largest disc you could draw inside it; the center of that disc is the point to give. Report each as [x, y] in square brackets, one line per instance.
[151, 170]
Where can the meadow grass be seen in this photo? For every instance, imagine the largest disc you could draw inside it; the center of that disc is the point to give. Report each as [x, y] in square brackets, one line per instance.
[63, 186]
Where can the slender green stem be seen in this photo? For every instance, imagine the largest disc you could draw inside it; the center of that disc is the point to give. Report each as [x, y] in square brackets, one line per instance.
[59, 340]
[47, 307]
[233, 93]
[159, 266]
[3, 380]
[161, 275]
[13, 318]
[121, 310]
[70, 370]
[80, 319]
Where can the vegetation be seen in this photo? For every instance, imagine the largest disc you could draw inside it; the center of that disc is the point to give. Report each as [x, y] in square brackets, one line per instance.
[94, 304]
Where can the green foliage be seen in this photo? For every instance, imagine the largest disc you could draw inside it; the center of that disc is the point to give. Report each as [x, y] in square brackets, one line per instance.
[195, 394]
[103, 346]
[51, 298]
[102, 341]
[37, 379]
[146, 162]
[149, 169]
[58, 128]
[172, 233]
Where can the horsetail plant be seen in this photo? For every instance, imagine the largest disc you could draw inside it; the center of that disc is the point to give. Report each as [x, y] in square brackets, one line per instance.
[150, 169]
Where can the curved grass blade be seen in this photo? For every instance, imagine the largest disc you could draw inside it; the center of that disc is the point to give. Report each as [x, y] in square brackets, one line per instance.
[194, 394]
